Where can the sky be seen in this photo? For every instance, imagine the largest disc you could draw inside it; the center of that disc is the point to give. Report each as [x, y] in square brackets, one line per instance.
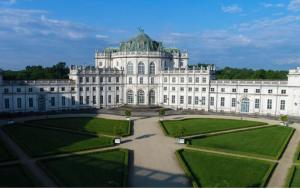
[237, 33]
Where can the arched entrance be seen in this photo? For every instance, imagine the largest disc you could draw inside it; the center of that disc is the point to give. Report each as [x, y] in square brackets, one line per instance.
[245, 105]
[141, 97]
[151, 97]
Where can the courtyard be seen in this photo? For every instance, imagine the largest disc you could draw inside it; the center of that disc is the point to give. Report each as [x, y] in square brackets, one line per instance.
[220, 151]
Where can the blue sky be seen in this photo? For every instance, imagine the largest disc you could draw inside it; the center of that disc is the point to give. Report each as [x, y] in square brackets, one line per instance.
[254, 34]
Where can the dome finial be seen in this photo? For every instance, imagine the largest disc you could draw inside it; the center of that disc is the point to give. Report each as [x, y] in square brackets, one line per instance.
[141, 30]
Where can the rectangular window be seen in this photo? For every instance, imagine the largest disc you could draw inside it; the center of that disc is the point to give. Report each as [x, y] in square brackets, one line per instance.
[87, 99]
[87, 79]
[234, 90]
[19, 103]
[269, 104]
[109, 79]
[165, 79]
[182, 80]
[223, 90]
[181, 88]
[63, 101]
[101, 79]
[165, 99]
[87, 88]
[257, 90]
[173, 99]
[196, 100]
[196, 89]
[283, 91]
[173, 80]
[190, 79]
[101, 99]
[80, 89]
[257, 103]
[212, 101]
[173, 88]
[72, 88]
[282, 104]
[117, 98]
[81, 100]
[203, 89]
[52, 101]
[245, 90]
[109, 98]
[6, 90]
[62, 89]
[41, 89]
[204, 80]
[94, 99]
[80, 80]
[94, 79]
[212, 89]
[117, 88]
[94, 88]
[222, 102]
[270, 91]
[18, 90]
[30, 102]
[52, 89]
[165, 88]
[190, 89]
[6, 103]
[197, 80]
[203, 101]
[233, 102]
[117, 79]
[181, 99]
[189, 100]
[73, 100]
[30, 90]
[141, 80]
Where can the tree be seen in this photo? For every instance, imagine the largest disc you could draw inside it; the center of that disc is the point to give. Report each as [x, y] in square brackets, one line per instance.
[127, 113]
[284, 119]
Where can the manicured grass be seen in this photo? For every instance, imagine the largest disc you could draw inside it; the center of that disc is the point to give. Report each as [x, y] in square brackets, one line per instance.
[213, 170]
[5, 154]
[101, 169]
[294, 177]
[14, 176]
[297, 155]
[87, 124]
[39, 141]
[268, 141]
[204, 125]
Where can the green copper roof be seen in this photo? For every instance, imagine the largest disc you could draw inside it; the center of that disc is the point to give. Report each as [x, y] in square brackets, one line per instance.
[142, 42]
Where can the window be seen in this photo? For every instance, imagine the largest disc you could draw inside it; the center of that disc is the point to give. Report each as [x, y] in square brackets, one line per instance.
[101, 99]
[245, 90]
[282, 104]
[173, 88]
[165, 79]
[141, 97]
[73, 100]
[30, 102]
[41, 89]
[222, 102]
[196, 89]
[72, 88]
[52, 101]
[257, 90]
[81, 100]
[189, 100]
[204, 80]
[190, 89]
[234, 90]
[196, 100]
[141, 80]
[181, 88]
[63, 101]
[197, 80]
[182, 80]
[101, 79]
[233, 102]
[141, 68]
[257, 103]
[117, 79]
[203, 89]
[270, 91]
[109, 88]
[130, 80]
[87, 88]
[173, 99]
[62, 89]
[18, 90]
[52, 89]
[117, 88]
[212, 101]
[173, 79]
[87, 99]
[94, 79]
[94, 88]
[152, 80]
[109, 79]
[130, 97]
[80, 89]
[269, 104]
[223, 90]
[212, 89]
[203, 100]
[283, 91]
[109, 99]
[165, 98]
[30, 90]
[165, 88]
[87, 79]
[80, 79]
[6, 90]
[181, 99]
[129, 68]
[19, 103]
[190, 79]
[117, 98]
[152, 68]
[6, 103]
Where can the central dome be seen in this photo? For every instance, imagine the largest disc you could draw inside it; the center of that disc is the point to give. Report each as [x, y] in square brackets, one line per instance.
[142, 42]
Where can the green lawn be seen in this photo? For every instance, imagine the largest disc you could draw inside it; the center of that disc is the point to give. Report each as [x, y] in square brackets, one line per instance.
[297, 155]
[39, 141]
[5, 154]
[212, 170]
[294, 177]
[87, 124]
[269, 141]
[101, 169]
[204, 125]
[14, 176]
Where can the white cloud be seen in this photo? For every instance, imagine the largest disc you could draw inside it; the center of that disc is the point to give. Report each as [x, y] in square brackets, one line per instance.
[294, 5]
[290, 60]
[275, 5]
[100, 36]
[7, 2]
[232, 9]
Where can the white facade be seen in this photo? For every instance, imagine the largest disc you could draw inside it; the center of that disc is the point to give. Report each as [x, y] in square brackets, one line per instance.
[143, 72]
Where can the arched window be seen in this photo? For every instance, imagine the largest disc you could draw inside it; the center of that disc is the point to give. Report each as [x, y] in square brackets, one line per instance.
[152, 97]
[141, 68]
[152, 68]
[141, 97]
[129, 97]
[245, 105]
[129, 68]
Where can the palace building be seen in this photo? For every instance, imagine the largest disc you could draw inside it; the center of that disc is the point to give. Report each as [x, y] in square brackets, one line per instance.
[142, 72]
